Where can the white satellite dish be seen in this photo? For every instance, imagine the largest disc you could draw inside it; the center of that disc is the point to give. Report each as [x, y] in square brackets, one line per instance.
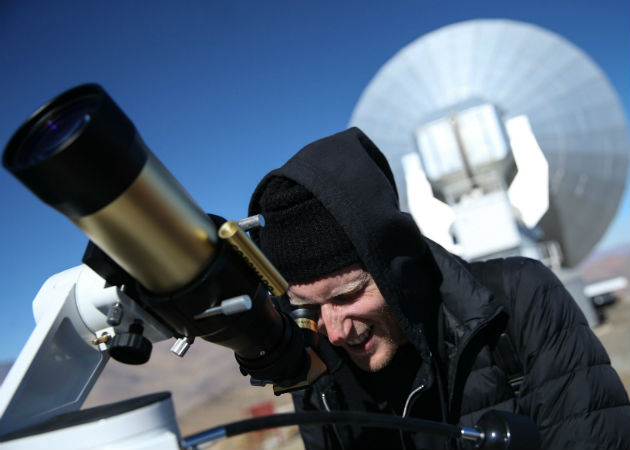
[498, 85]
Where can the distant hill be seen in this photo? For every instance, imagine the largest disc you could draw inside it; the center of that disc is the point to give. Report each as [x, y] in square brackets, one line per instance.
[4, 369]
[207, 386]
[206, 372]
[607, 263]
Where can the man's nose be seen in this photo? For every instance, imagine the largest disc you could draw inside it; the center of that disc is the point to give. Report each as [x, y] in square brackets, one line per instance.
[335, 324]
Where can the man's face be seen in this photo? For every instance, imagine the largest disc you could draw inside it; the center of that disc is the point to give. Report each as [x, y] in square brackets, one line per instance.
[353, 314]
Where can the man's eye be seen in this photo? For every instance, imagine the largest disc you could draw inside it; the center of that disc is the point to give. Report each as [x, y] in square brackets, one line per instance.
[310, 307]
[347, 298]
[350, 296]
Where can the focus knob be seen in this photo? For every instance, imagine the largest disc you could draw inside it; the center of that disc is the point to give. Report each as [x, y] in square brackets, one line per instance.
[131, 347]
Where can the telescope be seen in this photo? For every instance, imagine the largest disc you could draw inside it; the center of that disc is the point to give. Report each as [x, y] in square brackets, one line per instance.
[156, 267]
[175, 271]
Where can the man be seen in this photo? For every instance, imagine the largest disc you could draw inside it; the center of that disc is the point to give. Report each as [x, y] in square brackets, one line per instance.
[410, 331]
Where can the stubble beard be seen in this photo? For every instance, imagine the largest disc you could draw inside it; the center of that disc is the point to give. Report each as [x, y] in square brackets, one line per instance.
[390, 342]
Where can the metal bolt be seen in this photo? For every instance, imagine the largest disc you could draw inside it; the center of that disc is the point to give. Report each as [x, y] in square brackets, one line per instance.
[102, 339]
[181, 346]
[252, 222]
[115, 314]
[228, 307]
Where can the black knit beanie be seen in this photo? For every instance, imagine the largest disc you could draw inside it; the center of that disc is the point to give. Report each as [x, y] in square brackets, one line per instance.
[301, 238]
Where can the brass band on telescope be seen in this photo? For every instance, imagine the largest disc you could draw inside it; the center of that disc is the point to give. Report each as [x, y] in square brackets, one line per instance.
[154, 231]
[308, 324]
[231, 232]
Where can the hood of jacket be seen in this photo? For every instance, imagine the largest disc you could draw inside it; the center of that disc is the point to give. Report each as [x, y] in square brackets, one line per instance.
[352, 179]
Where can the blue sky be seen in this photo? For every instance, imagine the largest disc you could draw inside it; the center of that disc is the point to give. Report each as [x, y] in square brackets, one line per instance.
[224, 91]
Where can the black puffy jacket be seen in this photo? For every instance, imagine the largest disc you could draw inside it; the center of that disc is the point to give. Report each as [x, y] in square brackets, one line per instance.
[453, 321]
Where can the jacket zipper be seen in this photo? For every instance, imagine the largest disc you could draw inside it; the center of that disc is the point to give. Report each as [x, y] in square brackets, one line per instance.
[409, 398]
[462, 347]
[407, 408]
[334, 427]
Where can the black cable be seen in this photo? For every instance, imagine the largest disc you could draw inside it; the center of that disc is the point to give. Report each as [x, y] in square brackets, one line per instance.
[495, 429]
[354, 418]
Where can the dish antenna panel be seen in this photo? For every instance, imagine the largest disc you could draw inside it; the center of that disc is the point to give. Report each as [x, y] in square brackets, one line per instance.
[504, 138]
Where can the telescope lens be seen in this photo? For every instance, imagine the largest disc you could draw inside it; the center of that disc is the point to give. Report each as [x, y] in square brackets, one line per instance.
[53, 130]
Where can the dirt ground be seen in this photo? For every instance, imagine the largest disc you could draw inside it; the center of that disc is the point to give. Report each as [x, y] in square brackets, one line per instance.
[238, 404]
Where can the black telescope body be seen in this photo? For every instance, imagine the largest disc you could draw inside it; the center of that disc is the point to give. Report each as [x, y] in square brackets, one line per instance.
[81, 155]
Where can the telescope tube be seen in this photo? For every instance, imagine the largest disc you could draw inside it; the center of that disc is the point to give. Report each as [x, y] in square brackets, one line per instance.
[81, 155]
